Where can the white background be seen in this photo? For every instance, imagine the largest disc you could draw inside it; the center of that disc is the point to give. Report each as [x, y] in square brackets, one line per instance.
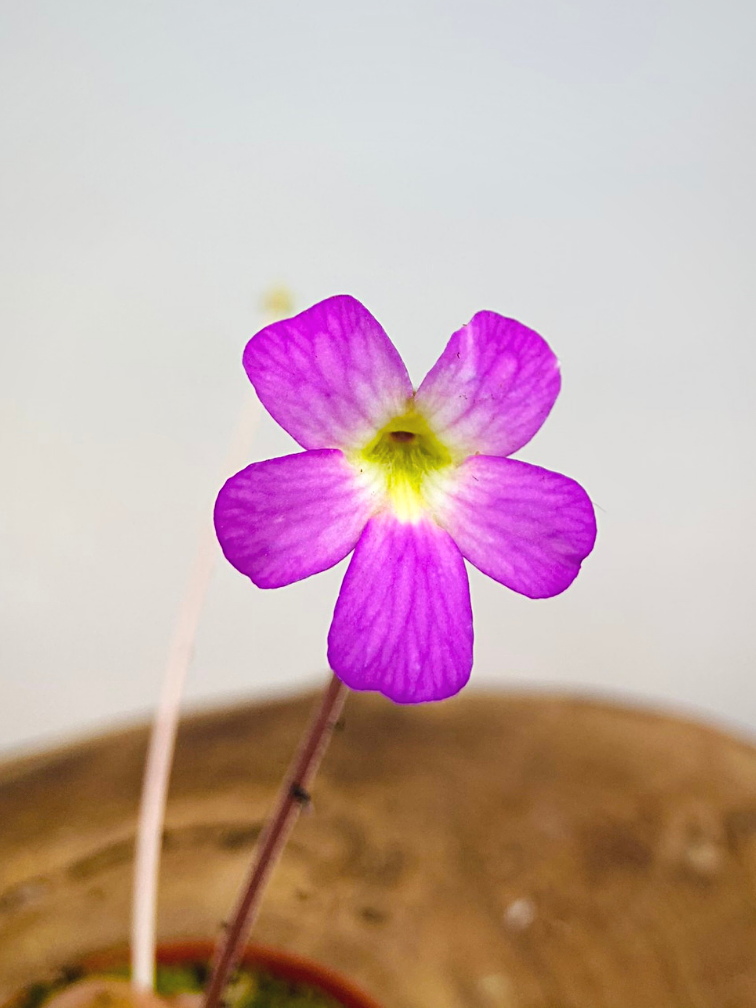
[583, 166]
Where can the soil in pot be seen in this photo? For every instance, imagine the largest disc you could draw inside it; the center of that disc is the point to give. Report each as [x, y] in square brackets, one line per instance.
[263, 981]
[175, 985]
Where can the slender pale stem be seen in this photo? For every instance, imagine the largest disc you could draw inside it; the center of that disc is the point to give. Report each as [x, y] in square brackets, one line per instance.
[163, 735]
[157, 773]
[294, 793]
[276, 304]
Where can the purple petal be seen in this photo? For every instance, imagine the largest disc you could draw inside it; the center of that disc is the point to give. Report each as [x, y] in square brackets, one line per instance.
[524, 526]
[403, 621]
[331, 376]
[492, 387]
[282, 520]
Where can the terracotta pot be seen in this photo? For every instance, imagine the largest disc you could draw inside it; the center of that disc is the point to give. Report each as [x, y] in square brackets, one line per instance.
[283, 965]
[459, 849]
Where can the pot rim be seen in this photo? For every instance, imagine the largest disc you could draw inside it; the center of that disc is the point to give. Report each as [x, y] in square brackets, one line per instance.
[288, 965]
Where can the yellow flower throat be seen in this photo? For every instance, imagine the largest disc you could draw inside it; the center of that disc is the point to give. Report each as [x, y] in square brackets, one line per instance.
[402, 456]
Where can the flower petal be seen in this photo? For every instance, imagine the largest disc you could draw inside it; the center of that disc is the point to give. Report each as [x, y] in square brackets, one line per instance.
[403, 620]
[491, 388]
[287, 518]
[524, 526]
[331, 376]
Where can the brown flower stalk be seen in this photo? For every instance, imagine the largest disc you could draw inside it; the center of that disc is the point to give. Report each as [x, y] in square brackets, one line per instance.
[293, 795]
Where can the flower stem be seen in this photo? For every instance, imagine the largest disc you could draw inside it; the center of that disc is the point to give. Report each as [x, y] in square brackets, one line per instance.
[276, 304]
[294, 793]
[158, 769]
[165, 725]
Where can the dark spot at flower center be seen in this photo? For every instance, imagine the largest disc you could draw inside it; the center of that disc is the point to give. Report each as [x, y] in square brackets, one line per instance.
[402, 436]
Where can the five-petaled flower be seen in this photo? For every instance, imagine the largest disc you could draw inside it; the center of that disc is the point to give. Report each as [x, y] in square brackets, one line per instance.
[412, 481]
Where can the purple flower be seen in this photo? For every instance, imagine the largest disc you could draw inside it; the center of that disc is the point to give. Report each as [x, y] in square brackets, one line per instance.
[412, 481]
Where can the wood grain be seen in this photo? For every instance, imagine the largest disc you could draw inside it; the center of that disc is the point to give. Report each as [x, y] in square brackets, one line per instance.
[502, 851]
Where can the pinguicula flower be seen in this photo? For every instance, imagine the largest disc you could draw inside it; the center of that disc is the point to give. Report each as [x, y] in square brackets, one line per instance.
[414, 481]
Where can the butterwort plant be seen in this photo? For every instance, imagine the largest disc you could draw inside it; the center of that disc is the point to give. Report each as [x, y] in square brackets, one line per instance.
[414, 481]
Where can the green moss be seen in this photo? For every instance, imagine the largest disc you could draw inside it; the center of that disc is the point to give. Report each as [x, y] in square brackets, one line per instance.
[36, 994]
[170, 980]
[274, 993]
[249, 989]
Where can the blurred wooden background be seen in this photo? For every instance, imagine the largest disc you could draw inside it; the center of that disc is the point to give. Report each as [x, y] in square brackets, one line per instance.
[504, 851]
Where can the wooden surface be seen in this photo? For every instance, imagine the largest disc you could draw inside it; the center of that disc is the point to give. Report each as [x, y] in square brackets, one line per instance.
[488, 852]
